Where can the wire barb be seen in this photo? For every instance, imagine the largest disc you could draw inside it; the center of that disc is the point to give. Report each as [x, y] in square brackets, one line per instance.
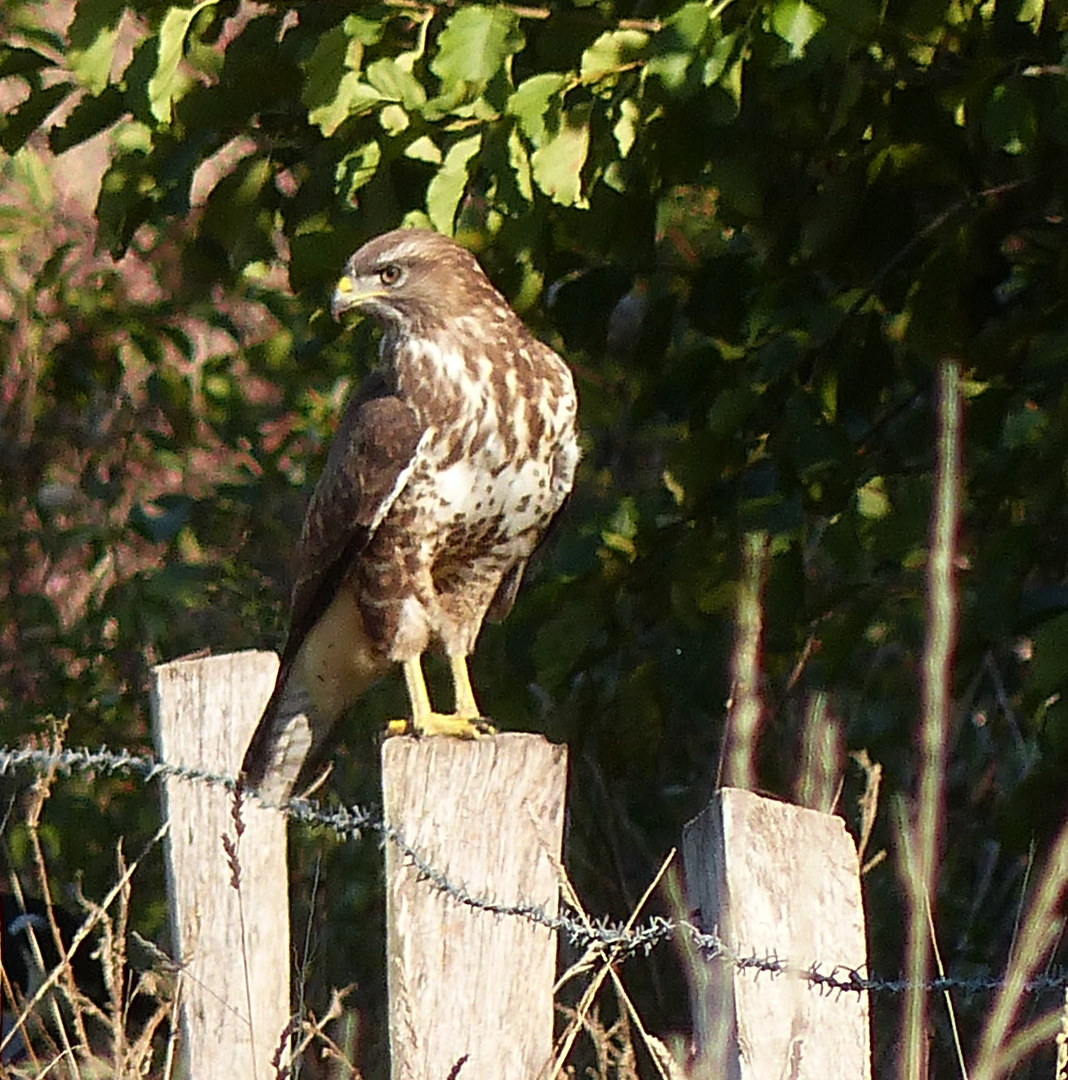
[601, 936]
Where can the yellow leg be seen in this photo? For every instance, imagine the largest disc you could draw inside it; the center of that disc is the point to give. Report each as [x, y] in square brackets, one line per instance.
[461, 683]
[418, 698]
[462, 724]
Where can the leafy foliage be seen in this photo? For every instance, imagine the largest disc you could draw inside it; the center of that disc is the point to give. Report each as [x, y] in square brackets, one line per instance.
[753, 227]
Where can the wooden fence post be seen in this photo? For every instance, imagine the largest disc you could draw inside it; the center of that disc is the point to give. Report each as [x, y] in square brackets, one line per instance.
[777, 881]
[204, 712]
[471, 992]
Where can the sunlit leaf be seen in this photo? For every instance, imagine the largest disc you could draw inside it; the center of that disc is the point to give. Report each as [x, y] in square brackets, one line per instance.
[354, 98]
[445, 190]
[520, 163]
[475, 43]
[625, 129]
[91, 66]
[530, 102]
[557, 163]
[872, 499]
[334, 54]
[1031, 11]
[612, 52]
[170, 83]
[796, 22]
[676, 49]
[357, 168]
[424, 149]
[395, 83]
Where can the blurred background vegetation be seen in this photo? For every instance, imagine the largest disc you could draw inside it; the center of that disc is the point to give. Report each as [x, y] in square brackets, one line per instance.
[753, 227]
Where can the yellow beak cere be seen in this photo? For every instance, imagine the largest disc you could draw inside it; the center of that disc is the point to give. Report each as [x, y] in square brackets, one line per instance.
[348, 294]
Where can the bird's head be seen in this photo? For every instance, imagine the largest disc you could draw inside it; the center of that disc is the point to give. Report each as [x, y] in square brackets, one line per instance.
[411, 278]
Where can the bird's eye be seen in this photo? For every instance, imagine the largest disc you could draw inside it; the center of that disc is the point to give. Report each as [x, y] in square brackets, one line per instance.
[390, 274]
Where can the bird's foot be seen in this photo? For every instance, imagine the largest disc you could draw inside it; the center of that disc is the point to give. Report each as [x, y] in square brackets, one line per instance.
[459, 727]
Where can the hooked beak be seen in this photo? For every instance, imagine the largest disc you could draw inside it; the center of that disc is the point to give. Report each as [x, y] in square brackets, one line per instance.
[348, 295]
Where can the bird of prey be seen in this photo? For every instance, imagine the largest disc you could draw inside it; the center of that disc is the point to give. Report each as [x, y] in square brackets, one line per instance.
[448, 464]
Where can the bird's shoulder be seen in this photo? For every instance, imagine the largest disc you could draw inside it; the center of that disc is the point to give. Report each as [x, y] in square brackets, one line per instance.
[374, 447]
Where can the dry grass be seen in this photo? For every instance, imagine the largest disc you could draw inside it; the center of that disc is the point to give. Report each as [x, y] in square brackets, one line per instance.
[69, 1035]
[65, 1032]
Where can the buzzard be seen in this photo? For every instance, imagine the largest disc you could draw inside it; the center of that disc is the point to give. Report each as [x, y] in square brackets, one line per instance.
[448, 464]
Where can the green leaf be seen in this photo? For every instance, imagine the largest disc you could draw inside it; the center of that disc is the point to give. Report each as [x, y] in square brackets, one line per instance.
[357, 168]
[395, 83]
[1031, 11]
[445, 190]
[796, 23]
[49, 273]
[335, 53]
[626, 127]
[22, 121]
[674, 50]
[365, 31]
[718, 57]
[393, 119]
[873, 500]
[91, 66]
[31, 170]
[354, 98]
[90, 17]
[687, 26]
[21, 62]
[88, 118]
[530, 102]
[611, 53]
[557, 164]
[475, 43]
[520, 162]
[423, 149]
[169, 83]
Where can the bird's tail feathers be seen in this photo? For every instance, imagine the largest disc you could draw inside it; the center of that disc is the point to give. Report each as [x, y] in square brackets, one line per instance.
[281, 743]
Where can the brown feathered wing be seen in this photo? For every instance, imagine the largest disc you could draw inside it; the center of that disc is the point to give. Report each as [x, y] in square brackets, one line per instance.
[368, 463]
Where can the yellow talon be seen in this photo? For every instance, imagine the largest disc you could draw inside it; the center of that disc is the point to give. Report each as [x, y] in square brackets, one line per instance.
[464, 723]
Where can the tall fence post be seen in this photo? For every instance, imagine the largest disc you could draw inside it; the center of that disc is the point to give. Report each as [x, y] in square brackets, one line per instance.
[234, 986]
[782, 882]
[471, 992]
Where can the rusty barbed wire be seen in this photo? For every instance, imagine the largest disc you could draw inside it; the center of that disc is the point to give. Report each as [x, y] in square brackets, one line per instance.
[609, 939]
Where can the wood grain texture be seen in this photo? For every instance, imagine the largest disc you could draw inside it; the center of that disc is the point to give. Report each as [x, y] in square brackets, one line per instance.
[780, 881]
[204, 712]
[465, 984]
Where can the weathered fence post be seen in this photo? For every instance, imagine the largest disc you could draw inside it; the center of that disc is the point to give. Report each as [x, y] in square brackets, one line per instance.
[781, 882]
[470, 992]
[204, 712]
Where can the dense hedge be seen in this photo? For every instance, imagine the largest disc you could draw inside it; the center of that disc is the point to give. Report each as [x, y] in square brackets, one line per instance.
[753, 228]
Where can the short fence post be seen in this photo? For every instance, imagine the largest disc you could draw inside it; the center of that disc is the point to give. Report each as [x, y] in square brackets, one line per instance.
[471, 992]
[780, 882]
[204, 712]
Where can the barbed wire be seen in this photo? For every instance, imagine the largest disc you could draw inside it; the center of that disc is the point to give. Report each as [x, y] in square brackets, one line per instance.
[612, 940]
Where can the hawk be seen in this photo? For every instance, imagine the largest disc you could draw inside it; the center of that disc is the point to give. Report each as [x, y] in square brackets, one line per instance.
[449, 462]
